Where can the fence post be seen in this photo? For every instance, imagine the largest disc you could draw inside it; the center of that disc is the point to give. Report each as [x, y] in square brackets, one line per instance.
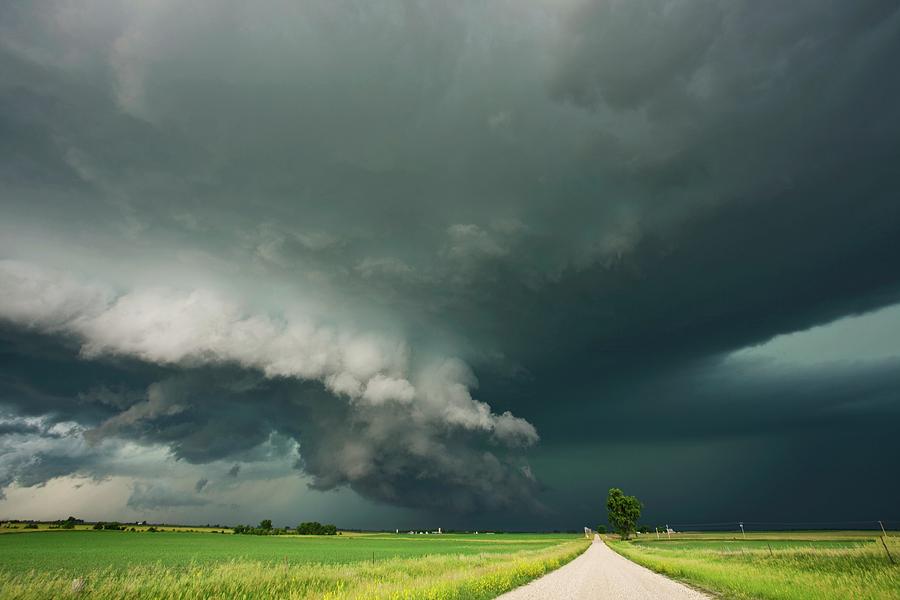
[891, 558]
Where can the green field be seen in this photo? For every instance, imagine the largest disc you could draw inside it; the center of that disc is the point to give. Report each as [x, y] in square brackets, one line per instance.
[775, 566]
[112, 564]
[76, 551]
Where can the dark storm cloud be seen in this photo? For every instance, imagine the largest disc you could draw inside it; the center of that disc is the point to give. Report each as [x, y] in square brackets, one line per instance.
[153, 497]
[10, 428]
[316, 224]
[208, 415]
[35, 450]
[677, 56]
[736, 398]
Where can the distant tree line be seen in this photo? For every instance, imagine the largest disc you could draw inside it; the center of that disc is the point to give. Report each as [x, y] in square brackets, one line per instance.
[264, 528]
[305, 528]
[316, 528]
[69, 523]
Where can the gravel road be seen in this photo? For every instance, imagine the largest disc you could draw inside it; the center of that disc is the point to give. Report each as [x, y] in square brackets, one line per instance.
[601, 574]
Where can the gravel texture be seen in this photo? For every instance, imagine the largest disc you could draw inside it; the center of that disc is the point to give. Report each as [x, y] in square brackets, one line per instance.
[601, 574]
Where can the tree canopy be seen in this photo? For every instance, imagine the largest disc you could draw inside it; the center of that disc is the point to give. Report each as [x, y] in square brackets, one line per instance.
[316, 528]
[623, 512]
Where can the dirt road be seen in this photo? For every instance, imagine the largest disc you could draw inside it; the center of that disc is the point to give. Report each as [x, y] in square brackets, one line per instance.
[601, 574]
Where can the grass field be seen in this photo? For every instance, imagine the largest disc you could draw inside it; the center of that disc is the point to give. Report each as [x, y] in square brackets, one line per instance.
[775, 566]
[112, 564]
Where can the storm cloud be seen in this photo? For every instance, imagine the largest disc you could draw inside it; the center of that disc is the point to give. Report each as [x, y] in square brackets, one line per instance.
[417, 250]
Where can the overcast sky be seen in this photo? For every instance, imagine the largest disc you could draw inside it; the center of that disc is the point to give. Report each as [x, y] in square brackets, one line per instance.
[466, 264]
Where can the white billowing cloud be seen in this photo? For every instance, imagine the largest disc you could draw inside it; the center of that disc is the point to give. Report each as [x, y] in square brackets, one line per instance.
[444, 389]
[30, 297]
[201, 327]
[167, 326]
[381, 389]
[344, 384]
[512, 430]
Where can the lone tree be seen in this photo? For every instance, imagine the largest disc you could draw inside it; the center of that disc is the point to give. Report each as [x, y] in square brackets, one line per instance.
[265, 524]
[623, 511]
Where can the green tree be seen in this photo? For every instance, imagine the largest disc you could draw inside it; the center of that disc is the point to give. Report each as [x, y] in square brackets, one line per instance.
[316, 528]
[623, 512]
[265, 524]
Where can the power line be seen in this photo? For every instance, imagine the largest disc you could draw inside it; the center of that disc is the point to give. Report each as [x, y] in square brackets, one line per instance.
[789, 522]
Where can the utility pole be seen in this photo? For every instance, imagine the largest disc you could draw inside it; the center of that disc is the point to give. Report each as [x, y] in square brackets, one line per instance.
[744, 535]
[884, 543]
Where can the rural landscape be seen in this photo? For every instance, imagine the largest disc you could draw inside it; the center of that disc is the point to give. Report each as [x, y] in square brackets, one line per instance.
[70, 558]
[449, 299]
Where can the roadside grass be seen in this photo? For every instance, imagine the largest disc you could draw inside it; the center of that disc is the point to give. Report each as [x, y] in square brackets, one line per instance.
[466, 569]
[816, 535]
[824, 566]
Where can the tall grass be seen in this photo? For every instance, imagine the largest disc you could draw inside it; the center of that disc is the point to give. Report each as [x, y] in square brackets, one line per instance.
[433, 577]
[860, 572]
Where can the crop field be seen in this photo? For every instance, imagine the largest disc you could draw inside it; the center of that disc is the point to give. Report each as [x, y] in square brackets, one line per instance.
[776, 566]
[172, 564]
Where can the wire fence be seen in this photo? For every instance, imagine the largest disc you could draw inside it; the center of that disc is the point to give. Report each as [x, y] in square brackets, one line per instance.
[761, 526]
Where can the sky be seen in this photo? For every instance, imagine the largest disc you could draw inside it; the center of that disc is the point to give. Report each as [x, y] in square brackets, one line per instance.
[460, 264]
